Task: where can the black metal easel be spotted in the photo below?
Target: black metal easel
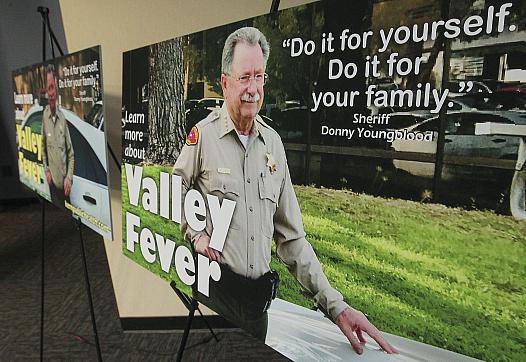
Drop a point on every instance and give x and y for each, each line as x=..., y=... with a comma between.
x=192, y=305
x=46, y=30
x=43, y=203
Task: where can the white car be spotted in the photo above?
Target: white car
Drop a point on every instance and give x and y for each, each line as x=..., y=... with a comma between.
x=302, y=334
x=210, y=103
x=460, y=140
x=95, y=116
x=488, y=102
x=89, y=191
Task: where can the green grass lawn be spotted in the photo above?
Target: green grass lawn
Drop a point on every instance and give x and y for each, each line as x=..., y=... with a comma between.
x=452, y=278
x=156, y=224
x=444, y=276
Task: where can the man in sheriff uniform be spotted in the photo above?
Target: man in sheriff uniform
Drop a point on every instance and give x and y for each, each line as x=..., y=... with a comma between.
x=234, y=155
x=57, y=150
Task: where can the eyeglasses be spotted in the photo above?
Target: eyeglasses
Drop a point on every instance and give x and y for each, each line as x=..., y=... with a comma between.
x=261, y=79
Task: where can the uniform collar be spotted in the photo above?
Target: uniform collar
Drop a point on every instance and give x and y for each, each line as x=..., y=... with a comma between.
x=50, y=115
x=227, y=125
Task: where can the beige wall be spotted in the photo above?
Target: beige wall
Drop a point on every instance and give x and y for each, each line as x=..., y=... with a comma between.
x=119, y=26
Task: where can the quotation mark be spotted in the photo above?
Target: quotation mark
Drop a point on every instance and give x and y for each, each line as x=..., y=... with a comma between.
x=465, y=87
x=286, y=43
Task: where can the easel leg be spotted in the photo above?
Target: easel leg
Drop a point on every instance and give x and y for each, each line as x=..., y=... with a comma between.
x=44, y=13
x=43, y=203
x=192, y=305
x=207, y=325
x=182, y=345
x=88, y=291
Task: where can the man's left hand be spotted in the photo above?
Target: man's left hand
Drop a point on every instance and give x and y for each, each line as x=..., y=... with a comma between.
x=67, y=186
x=202, y=246
x=353, y=321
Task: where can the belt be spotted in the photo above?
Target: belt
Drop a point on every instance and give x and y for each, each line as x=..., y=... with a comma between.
x=255, y=294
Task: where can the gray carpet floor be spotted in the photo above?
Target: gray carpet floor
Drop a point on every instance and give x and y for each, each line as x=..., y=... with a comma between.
x=68, y=334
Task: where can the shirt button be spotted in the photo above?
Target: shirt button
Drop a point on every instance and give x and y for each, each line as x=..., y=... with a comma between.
x=252, y=238
x=251, y=209
x=248, y=180
x=224, y=187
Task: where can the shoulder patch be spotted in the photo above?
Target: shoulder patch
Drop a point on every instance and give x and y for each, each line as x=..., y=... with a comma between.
x=192, y=137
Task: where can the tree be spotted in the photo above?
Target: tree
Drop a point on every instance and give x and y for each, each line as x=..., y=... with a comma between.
x=166, y=123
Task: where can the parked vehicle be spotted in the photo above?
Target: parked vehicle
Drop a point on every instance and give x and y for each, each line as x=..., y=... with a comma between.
x=459, y=87
x=201, y=110
x=95, y=116
x=513, y=88
x=399, y=120
x=460, y=140
x=497, y=101
x=210, y=103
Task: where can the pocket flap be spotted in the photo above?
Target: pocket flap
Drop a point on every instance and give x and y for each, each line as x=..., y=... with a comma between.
x=224, y=184
x=267, y=189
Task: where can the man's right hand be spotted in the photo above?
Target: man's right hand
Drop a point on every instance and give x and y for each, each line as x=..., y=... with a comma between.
x=49, y=178
x=201, y=246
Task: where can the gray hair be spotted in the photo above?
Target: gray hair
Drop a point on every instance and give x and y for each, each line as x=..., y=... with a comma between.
x=50, y=68
x=247, y=35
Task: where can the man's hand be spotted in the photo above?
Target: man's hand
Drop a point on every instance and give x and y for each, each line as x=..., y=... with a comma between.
x=67, y=186
x=201, y=246
x=49, y=178
x=352, y=320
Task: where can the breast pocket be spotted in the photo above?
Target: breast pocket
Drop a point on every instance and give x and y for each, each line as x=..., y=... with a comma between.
x=225, y=187
x=268, y=194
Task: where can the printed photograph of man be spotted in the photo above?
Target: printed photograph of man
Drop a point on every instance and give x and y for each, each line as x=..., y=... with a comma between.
x=57, y=150
x=235, y=155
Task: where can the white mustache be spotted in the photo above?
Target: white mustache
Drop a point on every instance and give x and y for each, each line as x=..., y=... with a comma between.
x=251, y=99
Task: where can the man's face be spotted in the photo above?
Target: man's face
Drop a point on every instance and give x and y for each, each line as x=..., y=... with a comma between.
x=244, y=101
x=51, y=92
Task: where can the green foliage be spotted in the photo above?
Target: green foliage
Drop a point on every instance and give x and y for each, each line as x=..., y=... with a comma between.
x=444, y=276
x=288, y=76
x=166, y=228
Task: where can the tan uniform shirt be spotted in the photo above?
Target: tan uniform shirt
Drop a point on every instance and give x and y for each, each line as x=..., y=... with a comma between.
x=57, y=150
x=258, y=180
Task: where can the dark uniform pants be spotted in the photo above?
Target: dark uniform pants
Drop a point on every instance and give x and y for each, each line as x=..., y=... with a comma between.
x=57, y=195
x=233, y=298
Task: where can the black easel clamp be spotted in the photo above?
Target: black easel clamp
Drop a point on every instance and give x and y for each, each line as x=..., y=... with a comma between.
x=44, y=13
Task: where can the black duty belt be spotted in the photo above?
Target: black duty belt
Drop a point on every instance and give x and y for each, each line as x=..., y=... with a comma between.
x=255, y=294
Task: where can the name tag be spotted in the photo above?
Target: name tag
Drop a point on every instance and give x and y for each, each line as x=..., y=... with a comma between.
x=223, y=170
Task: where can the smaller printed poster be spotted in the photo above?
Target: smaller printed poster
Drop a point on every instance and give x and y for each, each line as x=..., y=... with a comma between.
x=59, y=117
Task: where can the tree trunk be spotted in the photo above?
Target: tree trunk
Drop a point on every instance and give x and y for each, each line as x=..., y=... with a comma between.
x=166, y=102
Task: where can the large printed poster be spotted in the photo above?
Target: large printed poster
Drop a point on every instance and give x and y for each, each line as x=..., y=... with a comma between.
x=60, y=133
x=376, y=177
